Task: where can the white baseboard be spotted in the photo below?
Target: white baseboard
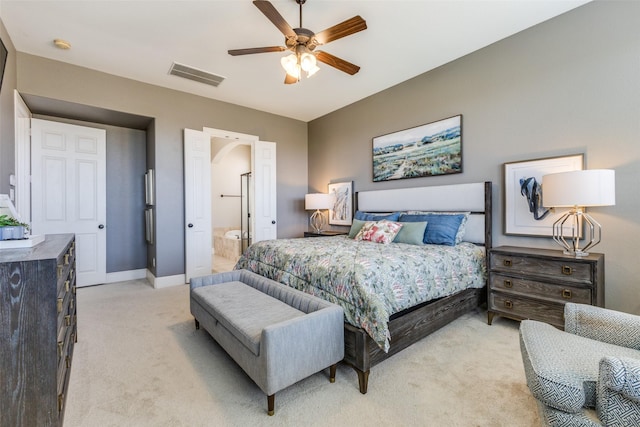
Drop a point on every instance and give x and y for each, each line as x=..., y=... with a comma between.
x=165, y=281
x=121, y=276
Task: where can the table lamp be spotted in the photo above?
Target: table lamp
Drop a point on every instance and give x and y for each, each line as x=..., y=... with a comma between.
x=317, y=201
x=578, y=190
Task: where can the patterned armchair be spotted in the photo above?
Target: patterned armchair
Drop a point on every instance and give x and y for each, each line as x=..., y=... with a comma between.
x=588, y=374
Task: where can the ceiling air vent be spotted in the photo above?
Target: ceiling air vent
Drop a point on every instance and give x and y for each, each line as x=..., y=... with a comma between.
x=194, y=74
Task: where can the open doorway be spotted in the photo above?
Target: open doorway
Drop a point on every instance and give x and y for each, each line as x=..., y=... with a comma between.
x=230, y=207
x=199, y=198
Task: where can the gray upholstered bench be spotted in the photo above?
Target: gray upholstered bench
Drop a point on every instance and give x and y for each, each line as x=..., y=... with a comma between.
x=276, y=334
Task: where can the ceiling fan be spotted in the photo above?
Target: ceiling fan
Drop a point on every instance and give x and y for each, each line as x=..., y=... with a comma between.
x=303, y=42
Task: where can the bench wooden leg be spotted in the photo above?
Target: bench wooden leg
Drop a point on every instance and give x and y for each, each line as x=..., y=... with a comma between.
x=271, y=403
x=197, y=324
x=332, y=373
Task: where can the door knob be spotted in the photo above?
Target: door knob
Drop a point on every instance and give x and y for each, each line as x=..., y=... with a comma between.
x=190, y=225
x=273, y=222
x=101, y=226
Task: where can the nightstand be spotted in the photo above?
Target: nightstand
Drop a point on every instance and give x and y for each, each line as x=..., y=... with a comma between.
x=324, y=233
x=527, y=283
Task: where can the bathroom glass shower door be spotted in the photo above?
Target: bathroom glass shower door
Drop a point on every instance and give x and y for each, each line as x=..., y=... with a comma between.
x=245, y=210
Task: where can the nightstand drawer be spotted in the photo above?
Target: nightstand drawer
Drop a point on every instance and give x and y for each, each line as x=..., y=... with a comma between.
x=541, y=290
x=569, y=271
x=523, y=308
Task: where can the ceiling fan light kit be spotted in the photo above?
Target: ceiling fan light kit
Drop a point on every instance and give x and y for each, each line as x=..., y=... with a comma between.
x=302, y=43
x=301, y=60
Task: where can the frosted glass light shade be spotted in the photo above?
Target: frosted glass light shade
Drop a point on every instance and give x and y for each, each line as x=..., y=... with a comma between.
x=317, y=201
x=290, y=65
x=594, y=187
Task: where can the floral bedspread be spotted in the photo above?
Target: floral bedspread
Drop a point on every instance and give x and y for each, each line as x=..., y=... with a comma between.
x=371, y=281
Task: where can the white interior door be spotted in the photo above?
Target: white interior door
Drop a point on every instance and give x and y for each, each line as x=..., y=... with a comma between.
x=68, y=190
x=23, y=158
x=264, y=210
x=197, y=194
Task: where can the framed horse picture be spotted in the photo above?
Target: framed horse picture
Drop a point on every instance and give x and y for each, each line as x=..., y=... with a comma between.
x=524, y=211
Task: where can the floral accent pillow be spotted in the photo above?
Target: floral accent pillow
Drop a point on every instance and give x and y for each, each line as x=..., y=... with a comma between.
x=379, y=231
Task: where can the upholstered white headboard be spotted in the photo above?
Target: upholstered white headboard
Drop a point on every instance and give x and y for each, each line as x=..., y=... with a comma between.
x=472, y=197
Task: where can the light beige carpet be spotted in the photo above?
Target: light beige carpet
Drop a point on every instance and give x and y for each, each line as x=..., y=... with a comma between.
x=140, y=362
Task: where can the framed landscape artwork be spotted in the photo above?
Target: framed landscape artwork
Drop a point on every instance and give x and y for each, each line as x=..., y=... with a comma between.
x=524, y=213
x=342, y=211
x=427, y=150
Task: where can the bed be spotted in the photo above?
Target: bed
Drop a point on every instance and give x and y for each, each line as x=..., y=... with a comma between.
x=393, y=294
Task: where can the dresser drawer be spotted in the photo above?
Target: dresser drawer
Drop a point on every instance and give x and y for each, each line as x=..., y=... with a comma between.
x=64, y=369
x=567, y=270
x=65, y=305
x=540, y=290
x=522, y=308
x=66, y=265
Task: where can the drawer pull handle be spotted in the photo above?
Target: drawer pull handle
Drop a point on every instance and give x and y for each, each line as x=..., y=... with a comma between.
x=71, y=304
x=60, y=268
x=60, y=346
x=67, y=320
x=59, y=304
x=508, y=304
x=66, y=259
x=67, y=285
x=566, y=293
x=508, y=283
x=566, y=270
x=67, y=361
x=60, y=401
x=73, y=290
x=507, y=263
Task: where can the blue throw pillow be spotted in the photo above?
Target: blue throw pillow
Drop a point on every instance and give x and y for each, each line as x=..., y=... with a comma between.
x=441, y=229
x=365, y=216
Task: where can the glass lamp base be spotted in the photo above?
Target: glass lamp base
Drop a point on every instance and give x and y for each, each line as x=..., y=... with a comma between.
x=317, y=221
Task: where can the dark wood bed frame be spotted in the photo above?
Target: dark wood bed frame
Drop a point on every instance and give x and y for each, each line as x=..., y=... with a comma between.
x=410, y=326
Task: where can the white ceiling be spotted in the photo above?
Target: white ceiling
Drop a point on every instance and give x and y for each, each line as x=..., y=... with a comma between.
x=141, y=39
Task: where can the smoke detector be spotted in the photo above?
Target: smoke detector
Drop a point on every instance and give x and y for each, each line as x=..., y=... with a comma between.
x=62, y=44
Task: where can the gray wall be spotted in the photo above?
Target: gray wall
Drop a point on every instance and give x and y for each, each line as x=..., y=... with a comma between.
x=173, y=111
x=126, y=165
x=569, y=85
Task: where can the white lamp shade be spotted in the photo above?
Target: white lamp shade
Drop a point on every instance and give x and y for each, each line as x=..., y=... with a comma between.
x=595, y=187
x=317, y=201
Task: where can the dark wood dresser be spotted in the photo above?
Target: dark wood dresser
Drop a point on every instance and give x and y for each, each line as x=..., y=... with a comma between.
x=37, y=331
x=527, y=283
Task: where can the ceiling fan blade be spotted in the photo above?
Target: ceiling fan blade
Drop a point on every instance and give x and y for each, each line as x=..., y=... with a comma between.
x=336, y=62
x=343, y=29
x=236, y=52
x=289, y=80
x=274, y=16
